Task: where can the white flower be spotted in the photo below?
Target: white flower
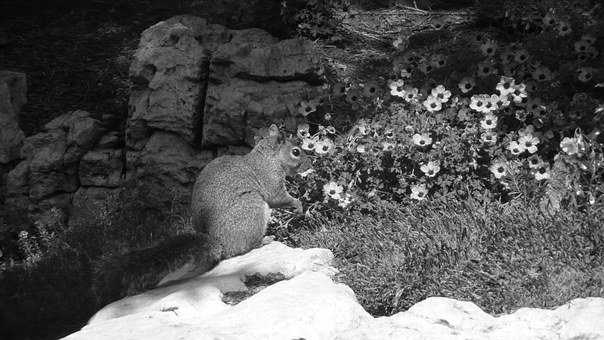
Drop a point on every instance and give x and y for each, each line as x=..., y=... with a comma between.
x=529, y=143
x=519, y=93
x=439, y=60
x=498, y=169
x=479, y=102
x=542, y=173
x=466, y=84
x=345, y=201
x=419, y=192
x=388, y=146
x=521, y=56
x=485, y=69
x=542, y=73
x=441, y=93
x=516, y=148
x=491, y=103
x=563, y=28
x=488, y=48
x=333, y=190
x=307, y=107
x=422, y=139
x=548, y=19
x=303, y=131
x=430, y=169
x=489, y=122
x=534, y=105
x=488, y=137
x=406, y=72
x=501, y=101
x=309, y=144
x=534, y=161
x=410, y=93
x=432, y=104
x=590, y=39
x=506, y=85
x=570, y=145
x=396, y=88
x=585, y=74
x=324, y=146
x=581, y=46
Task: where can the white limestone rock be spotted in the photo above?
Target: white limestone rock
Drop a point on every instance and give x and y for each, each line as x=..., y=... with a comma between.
x=308, y=304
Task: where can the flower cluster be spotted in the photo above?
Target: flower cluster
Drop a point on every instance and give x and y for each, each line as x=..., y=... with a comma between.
x=453, y=122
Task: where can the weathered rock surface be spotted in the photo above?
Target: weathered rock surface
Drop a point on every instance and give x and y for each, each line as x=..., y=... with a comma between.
x=188, y=74
x=48, y=175
x=13, y=94
x=307, y=304
x=101, y=168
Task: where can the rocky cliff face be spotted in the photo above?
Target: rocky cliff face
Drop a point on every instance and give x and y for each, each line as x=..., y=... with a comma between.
x=277, y=292
x=198, y=90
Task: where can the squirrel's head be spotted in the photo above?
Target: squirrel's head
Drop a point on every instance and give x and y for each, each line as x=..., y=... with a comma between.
x=291, y=156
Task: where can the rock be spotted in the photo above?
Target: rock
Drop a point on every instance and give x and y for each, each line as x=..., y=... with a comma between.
x=169, y=156
x=167, y=75
x=83, y=130
x=17, y=179
x=306, y=303
x=53, y=155
x=235, y=109
x=111, y=140
x=444, y=318
x=101, y=168
x=237, y=80
x=267, y=60
x=13, y=90
x=167, y=167
x=254, y=84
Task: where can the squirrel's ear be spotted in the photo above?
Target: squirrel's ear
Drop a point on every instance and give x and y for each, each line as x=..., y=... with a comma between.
x=273, y=131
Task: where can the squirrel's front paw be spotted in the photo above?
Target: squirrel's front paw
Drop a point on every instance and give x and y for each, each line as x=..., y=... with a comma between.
x=298, y=207
x=267, y=239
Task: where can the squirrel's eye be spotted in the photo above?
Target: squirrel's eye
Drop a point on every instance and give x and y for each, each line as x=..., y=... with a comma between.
x=295, y=152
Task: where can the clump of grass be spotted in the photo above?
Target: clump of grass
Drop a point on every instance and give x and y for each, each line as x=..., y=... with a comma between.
x=499, y=256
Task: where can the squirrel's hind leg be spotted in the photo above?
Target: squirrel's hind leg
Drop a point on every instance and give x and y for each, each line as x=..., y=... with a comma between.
x=244, y=228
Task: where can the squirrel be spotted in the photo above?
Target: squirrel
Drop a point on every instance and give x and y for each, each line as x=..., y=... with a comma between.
x=230, y=209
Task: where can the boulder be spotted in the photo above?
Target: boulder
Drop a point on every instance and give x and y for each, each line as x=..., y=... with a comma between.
x=253, y=84
x=52, y=157
x=13, y=90
x=167, y=167
x=237, y=108
x=17, y=179
x=168, y=73
x=208, y=84
x=278, y=292
x=101, y=168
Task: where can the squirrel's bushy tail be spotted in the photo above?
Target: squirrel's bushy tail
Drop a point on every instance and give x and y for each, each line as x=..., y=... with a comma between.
x=119, y=276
